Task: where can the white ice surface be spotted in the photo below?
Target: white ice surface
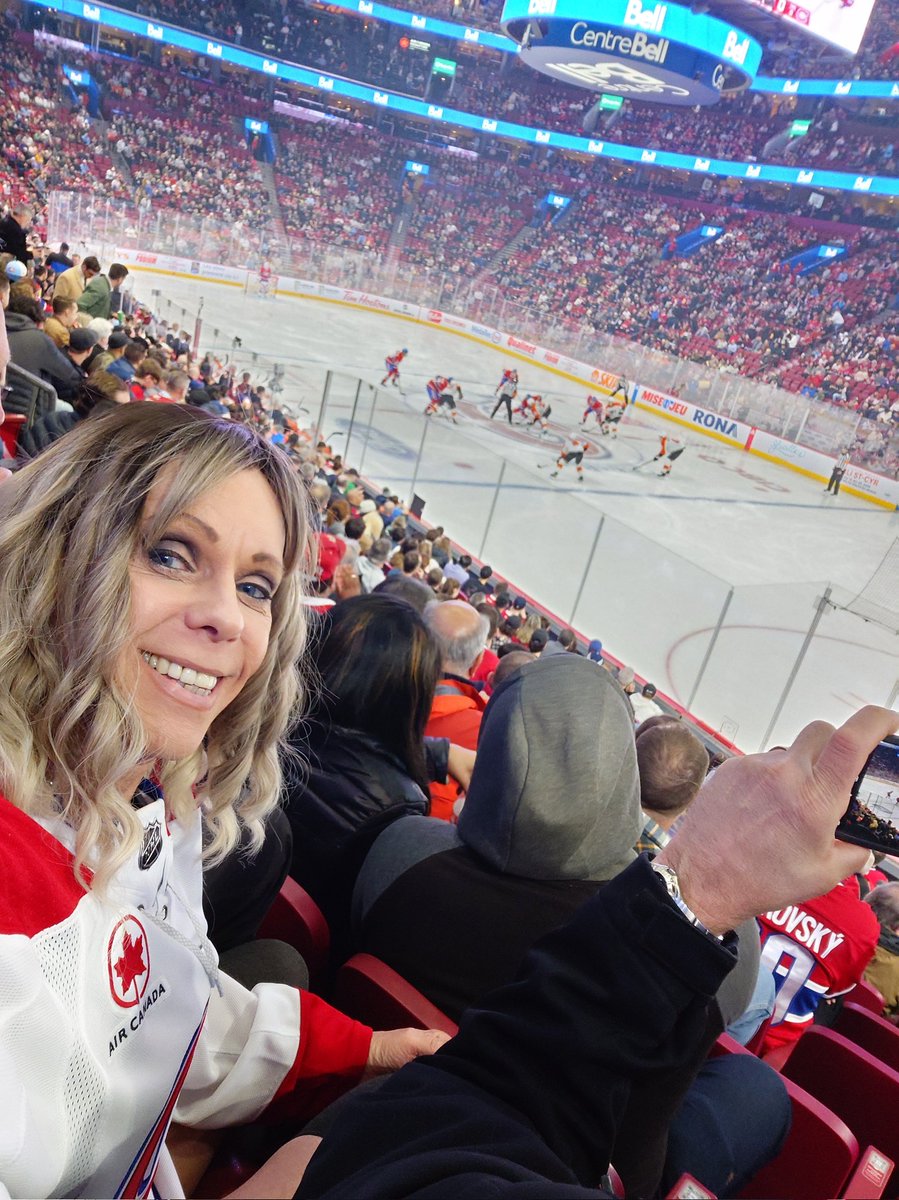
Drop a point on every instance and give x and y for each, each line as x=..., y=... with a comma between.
x=670, y=549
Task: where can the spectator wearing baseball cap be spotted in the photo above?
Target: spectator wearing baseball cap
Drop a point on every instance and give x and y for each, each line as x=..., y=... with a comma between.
x=81, y=343
x=115, y=348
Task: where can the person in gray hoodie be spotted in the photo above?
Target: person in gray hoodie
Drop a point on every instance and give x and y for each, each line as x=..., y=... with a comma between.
x=552, y=812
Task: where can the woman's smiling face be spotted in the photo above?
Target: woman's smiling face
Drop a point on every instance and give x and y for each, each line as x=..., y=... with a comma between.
x=201, y=609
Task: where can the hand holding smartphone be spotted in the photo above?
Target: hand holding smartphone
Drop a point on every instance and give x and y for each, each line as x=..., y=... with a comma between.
x=872, y=818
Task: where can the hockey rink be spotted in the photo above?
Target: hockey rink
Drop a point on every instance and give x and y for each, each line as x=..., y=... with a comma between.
x=706, y=582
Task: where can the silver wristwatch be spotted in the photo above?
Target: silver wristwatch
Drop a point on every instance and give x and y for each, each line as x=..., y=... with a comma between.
x=668, y=875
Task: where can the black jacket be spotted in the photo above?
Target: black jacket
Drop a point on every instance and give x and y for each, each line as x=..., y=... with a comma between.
x=44, y=432
x=352, y=789
x=13, y=240
x=32, y=350
x=526, y=1101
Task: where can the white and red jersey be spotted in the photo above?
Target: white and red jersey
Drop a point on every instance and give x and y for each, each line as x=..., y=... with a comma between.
x=816, y=949
x=115, y=1018
x=574, y=445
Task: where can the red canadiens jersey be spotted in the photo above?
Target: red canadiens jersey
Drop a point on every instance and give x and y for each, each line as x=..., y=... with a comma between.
x=816, y=949
x=509, y=377
x=594, y=404
x=439, y=385
x=393, y=360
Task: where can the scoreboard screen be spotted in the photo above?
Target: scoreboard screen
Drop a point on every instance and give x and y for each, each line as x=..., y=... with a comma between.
x=842, y=23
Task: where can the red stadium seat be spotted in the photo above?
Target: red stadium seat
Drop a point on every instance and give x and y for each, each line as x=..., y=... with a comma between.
x=866, y=995
x=870, y=1177
x=873, y=1033
x=852, y=1083
x=370, y=991
x=819, y=1154
x=9, y=431
x=296, y=919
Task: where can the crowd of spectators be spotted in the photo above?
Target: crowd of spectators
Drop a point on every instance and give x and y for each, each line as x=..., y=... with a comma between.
x=185, y=162
x=46, y=136
x=272, y=26
x=339, y=184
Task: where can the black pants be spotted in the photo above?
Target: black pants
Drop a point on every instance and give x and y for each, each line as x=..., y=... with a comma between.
x=507, y=400
x=836, y=476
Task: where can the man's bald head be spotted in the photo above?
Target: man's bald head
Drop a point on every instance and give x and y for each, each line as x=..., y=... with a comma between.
x=461, y=633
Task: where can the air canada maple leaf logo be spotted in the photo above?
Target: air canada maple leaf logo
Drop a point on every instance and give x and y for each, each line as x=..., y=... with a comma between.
x=128, y=962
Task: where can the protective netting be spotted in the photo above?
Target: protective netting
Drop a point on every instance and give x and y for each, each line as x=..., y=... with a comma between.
x=879, y=598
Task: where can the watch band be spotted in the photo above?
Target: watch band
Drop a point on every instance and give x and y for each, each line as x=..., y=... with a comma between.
x=669, y=878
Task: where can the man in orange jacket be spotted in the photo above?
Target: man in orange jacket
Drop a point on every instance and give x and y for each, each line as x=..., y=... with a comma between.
x=461, y=633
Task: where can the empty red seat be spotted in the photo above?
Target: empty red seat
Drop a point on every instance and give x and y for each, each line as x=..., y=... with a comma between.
x=852, y=1083
x=872, y=1032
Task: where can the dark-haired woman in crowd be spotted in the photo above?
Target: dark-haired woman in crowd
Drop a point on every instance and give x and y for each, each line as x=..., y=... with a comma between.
x=368, y=759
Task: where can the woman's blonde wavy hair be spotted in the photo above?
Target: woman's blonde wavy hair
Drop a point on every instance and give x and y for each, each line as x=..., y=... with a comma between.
x=70, y=524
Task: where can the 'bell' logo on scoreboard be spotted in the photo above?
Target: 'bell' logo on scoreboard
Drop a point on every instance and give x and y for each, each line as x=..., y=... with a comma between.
x=735, y=49
x=650, y=19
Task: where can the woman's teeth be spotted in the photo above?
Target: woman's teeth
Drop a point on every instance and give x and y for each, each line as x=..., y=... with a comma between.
x=197, y=682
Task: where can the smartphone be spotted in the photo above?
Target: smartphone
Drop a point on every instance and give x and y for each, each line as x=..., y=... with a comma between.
x=872, y=818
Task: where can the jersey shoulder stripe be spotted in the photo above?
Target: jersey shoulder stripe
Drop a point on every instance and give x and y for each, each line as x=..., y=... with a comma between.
x=39, y=884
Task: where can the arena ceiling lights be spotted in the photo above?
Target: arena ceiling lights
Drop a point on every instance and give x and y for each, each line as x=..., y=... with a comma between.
x=646, y=49
x=126, y=22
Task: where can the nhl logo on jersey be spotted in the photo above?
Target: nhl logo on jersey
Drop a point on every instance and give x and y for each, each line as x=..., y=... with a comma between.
x=151, y=846
x=128, y=962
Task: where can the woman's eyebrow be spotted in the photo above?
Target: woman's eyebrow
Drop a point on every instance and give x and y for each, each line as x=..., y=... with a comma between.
x=271, y=559
x=207, y=529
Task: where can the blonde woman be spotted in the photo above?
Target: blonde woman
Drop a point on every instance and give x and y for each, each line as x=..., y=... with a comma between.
x=150, y=620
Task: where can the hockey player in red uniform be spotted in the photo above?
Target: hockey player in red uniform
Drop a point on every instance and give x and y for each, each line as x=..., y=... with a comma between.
x=815, y=950
x=440, y=395
x=596, y=409
x=572, y=451
x=509, y=376
x=392, y=367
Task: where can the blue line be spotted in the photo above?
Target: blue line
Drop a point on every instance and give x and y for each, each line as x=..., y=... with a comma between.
x=588, y=491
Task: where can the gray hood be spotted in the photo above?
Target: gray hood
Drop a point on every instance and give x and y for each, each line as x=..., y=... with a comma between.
x=555, y=792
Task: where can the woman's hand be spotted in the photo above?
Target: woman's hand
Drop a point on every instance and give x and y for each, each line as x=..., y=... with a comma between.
x=393, y=1048
x=460, y=765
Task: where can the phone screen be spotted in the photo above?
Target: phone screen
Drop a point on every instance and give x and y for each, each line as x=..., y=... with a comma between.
x=872, y=818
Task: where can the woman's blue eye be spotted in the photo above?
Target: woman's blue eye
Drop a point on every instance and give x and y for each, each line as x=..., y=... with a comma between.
x=255, y=591
x=159, y=556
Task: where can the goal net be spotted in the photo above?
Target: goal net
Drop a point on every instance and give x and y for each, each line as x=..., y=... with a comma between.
x=259, y=286
x=879, y=599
